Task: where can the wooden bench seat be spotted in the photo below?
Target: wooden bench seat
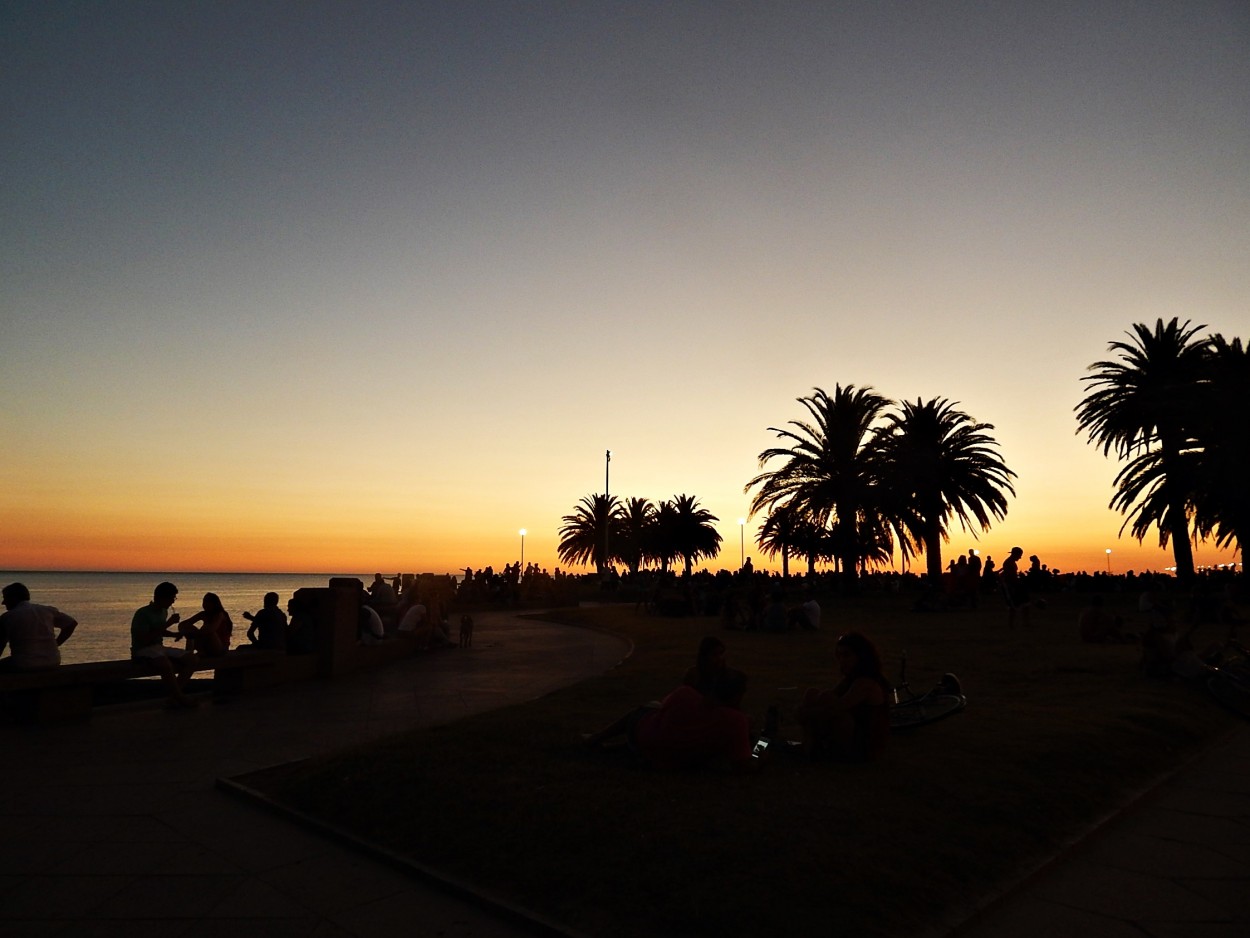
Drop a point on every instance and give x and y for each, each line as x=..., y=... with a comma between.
x=67, y=692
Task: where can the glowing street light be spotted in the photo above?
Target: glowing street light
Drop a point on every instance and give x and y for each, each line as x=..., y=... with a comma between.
x=522, y=550
x=742, y=543
x=1108, y=559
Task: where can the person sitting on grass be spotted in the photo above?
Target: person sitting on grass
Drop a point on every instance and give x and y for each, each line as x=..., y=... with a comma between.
x=851, y=722
x=210, y=639
x=688, y=730
x=149, y=627
x=268, y=629
x=1098, y=626
x=709, y=665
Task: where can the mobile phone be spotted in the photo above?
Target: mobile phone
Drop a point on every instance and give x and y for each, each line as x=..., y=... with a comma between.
x=760, y=745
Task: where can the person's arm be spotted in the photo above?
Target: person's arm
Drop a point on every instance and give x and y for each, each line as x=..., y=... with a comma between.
x=65, y=626
x=4, y=634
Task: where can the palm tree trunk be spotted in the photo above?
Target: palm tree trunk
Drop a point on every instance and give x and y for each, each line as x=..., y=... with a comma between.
x=933, y=556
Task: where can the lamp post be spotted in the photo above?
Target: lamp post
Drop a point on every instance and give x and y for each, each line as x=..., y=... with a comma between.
x=522, y=550
x=607, y=502
x=742, y=543
x=1108, y=560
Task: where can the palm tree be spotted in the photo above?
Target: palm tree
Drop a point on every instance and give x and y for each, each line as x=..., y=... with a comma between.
x=778, y=534
x=940, y=465
x=581, y=535
x=692, y=533
x=662, y=535
x=828, y=471
x=631, y=538
x=1143, y=402
x=1221, y=497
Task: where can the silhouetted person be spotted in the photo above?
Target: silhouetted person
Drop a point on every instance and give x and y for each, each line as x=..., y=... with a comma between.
x=211, y=638
x=851, y=721
x=1015, y=591
x=33, y=633
x=268, y=629
x=149, y=627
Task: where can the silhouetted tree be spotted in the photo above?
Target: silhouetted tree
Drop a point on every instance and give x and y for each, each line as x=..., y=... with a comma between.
x=829, y=471
x=692, y=532
x=1221, y=493
x=938, y=465
x=632, y=535
x=581, y=535
x=1144, y=406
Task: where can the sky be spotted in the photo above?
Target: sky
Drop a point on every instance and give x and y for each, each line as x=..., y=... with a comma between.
x=326, y=287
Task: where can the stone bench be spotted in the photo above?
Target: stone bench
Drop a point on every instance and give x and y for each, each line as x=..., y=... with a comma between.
x=67, y=692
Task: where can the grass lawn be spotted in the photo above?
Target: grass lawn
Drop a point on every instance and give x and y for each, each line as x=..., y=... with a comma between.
x=1056, y=734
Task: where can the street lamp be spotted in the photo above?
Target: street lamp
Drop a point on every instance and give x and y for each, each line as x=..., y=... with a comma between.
x=522, y=549
x=742, y=543
x=1108, y=559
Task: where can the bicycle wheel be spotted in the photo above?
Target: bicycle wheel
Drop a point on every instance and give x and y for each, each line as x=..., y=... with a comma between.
x=1232, y=693
x=926, y=709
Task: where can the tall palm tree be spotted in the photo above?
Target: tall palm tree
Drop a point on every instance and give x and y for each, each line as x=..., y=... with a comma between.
x=1144, y=401
x=940, y=465
x=1222, y=497
x=828, y=470
x=694, y=536
x=581, y=535
x=630, y=541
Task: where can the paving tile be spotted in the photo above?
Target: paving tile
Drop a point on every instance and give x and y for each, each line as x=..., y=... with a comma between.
x=1029, y=917
x=399, y=915
x=336, y=881
x=1154, y=856
x=59, y=897
x=1124, y=895
x=167, y=897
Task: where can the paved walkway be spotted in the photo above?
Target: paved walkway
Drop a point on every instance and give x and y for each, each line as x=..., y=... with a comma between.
x=115, y=827
x=1175, y=864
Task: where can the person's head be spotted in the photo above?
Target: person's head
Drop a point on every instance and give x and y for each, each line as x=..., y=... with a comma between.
x=1017, y=553
x=729, y=687
x=164, y=594
x=857, y=656
x=15, y=593
x=271, y=600
x=711, y=653
x=212, y=603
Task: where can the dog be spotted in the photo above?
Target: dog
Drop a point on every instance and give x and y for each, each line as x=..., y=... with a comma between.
x=466, y=631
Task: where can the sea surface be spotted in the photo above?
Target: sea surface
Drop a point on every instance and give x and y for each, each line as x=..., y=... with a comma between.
x=104, y=602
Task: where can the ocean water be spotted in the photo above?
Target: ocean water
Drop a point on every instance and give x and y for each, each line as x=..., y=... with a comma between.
x=104, y=602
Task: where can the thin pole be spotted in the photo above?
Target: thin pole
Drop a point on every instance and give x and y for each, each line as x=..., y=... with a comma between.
x=607, y=503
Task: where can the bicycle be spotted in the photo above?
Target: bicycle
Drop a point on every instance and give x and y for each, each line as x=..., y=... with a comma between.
x=909, y=709
x=1230, y=682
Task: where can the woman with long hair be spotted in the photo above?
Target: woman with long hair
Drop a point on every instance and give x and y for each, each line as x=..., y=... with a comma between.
x=210, y=639
x=851, y=721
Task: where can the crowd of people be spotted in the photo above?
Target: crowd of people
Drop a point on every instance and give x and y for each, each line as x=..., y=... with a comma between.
x=33, y=633
x=845, y=719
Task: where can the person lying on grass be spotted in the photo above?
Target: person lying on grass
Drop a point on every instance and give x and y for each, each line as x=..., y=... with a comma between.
x=852, y=721
x=688, y=729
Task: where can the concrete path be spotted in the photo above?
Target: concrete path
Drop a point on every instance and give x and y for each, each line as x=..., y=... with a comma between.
x=115, y=827
x=1175, y=864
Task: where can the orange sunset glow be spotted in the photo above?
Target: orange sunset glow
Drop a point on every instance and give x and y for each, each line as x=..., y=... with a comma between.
x=374, y=292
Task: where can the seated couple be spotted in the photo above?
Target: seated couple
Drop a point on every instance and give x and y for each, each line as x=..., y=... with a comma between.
x=207, y=634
